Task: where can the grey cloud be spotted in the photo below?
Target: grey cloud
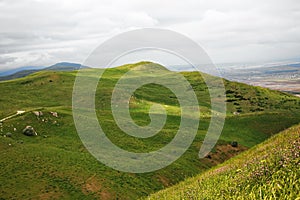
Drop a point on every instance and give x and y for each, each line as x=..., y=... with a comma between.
x=5, y=60
x=55, y=30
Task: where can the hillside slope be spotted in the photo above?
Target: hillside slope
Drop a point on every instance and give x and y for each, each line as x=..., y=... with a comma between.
x=270, y=170
x=56, y=164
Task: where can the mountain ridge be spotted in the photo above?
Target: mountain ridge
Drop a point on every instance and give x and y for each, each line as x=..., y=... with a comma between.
x=25, y=71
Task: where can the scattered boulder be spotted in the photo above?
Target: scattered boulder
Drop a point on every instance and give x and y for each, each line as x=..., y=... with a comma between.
x=54, y=114
x=8, y=134
x=19, y=112
x=15, y=129
x=234, y=144
x=29, y=131
x=38, y=113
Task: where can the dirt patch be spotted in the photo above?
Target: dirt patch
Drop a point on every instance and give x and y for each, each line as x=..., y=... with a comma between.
x=223, y=153
x=165, y=181
x=94, y=186
x=50, y=195
x=53, y=77
x=105, y=195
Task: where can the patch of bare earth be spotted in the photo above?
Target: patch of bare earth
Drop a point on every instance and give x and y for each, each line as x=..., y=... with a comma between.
x=165, y=181
x=92, y=185
x=223, y=153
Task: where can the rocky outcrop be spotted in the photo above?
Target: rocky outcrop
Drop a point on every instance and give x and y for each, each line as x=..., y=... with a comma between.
x=29, y=131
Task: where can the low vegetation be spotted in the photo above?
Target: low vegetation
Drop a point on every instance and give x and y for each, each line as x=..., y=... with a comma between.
x=270, y=170
x=55, y=163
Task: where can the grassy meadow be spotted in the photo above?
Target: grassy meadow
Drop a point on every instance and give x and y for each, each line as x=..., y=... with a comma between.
x=56, y=165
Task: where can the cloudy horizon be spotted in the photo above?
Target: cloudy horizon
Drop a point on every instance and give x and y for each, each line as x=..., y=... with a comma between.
x=41, y=33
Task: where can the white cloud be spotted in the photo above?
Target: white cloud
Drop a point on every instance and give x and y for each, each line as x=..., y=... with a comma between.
x=41, y=32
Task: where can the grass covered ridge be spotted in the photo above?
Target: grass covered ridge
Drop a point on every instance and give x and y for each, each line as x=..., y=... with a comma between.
x=55, y=163
x=270, y=170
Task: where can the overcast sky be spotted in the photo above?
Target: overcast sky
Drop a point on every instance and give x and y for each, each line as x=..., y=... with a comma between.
x=37, y=32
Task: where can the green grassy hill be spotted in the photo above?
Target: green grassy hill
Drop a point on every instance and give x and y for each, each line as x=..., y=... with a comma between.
x=56, y=165
x=270, y=170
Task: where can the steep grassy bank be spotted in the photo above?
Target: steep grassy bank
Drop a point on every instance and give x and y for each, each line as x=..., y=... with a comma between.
x=270, y=170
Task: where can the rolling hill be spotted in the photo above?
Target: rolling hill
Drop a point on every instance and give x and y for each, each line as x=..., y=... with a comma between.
x=56, y=165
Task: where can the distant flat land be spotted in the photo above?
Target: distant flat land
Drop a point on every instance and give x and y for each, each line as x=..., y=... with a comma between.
x=292, y=86
x=284, y=78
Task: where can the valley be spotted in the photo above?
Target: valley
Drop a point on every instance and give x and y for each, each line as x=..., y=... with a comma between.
x=55, y=164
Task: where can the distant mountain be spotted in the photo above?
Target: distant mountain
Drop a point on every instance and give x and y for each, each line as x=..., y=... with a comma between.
x=25, y=71
x=295, y=65
x=64, y=66
x=13, y=71
x=19, y=74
